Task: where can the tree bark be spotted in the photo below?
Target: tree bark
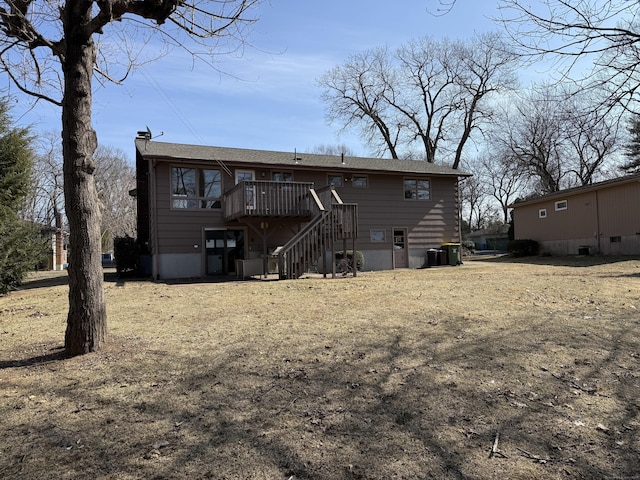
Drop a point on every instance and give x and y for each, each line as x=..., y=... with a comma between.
x=87, y=318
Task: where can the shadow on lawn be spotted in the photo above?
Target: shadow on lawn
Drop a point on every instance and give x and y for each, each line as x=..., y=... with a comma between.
x=45, y=280
x=400, y=407
x=55, y=356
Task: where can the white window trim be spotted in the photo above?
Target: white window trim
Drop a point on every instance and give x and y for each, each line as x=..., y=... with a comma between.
x=559, y=203
x=542, y=213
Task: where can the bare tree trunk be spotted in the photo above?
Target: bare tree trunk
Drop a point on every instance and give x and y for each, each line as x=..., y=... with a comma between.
x=87, y=318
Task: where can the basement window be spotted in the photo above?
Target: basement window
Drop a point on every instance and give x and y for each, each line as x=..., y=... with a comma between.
x=542, y=213
x=561, y=205
x=615, y=239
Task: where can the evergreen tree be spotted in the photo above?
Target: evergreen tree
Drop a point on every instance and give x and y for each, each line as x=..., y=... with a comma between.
x=633, y=147
x=21, y=245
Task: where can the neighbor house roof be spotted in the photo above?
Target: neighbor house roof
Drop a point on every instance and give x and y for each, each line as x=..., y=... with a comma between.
x=577, y=190
x=176, y=151
x=488, y=232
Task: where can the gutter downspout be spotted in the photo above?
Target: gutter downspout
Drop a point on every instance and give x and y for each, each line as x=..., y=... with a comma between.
x=459, y=217
x=154, y=218
x=597, y=223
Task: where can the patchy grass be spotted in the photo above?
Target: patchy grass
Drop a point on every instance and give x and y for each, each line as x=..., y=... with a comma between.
x=402, y=374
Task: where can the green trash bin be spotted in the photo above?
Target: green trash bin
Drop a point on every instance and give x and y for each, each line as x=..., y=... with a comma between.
x=453, y=253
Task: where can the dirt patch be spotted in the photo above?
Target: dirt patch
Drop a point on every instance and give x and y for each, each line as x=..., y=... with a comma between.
x=493, y=369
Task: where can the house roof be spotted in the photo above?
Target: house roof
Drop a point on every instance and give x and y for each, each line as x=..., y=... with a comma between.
x=176, y=151
x=578, y=190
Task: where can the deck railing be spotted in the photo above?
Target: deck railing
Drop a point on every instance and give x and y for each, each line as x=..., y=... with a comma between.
x=259, y=198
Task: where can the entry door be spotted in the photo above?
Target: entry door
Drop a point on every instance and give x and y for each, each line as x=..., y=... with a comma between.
x=223, y=248
x=214, y=251
x=250, y=191
x=400, y=256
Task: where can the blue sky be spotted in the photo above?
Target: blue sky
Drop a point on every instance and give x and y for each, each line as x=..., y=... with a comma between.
x=269, y=99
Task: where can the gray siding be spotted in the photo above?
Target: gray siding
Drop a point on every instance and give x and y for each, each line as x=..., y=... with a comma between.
x=381, y=205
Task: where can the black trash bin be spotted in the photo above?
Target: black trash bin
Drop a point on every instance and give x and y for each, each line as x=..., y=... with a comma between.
x=432, y=257
x=443, y=259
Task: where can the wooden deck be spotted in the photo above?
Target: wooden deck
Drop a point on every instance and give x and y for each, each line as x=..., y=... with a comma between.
x=268, y=199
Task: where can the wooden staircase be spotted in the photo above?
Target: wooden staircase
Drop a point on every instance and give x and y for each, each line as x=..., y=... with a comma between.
x=333, y=221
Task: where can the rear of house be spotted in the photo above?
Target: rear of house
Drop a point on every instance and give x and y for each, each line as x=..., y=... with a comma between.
x=201, y=210
x=602, y=218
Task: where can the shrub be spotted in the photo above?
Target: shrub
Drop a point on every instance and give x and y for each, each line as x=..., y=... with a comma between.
x=359, y=259
x=523, y=248
x=469, y=245
x=126, y=253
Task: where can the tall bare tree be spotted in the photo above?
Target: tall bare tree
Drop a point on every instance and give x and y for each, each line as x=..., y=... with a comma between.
x=45, y=202
x=115, y=178
x=592, y=135
x=49, y=50
x=533, y=137
x=330, y=149
x=504, y=177
x=477, y=208
x=356, y=93
x=559, y=137
x=432, y=94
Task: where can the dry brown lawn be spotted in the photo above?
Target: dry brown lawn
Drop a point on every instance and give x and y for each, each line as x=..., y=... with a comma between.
x=494, y=369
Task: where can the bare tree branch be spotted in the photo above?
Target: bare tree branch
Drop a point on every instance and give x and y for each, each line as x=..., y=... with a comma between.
x=602, y=36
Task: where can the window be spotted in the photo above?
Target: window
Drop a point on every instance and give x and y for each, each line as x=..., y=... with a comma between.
x=542, y=213
x=615, y=239
x=334, y=180
x=377, y=236
x=561, y=205
x=359, y=181
x=195, y=188
x=282, y=176
x=416, y=189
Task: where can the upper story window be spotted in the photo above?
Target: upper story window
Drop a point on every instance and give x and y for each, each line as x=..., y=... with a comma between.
x=561, y=205
x=282, y=176
x=416, y=189
x=542, y=213
x=195, y=188
x=334, y=180
x=359, y=181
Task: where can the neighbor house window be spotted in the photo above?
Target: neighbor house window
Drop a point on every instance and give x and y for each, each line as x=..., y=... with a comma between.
x=377, y=235
x=416, y=189
x=615, y=239
x=195, y=188
x=282, y=176
x=334, y=180
x=359, y=181
x=561, y=205
x=542, y=213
